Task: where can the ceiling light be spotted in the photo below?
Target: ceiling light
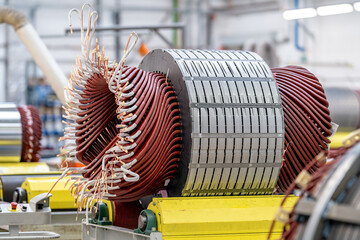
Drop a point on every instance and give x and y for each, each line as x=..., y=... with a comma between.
x=357, y=6
x=299, y=13
x=334, y=9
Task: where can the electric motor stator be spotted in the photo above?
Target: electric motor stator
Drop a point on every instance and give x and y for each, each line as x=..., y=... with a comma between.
x=193, y=122
x=232, y=121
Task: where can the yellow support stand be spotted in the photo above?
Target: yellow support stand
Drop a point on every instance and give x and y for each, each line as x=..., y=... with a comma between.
x=24, y=168
x=338, y=139
x=61, y=195
x=235, y=217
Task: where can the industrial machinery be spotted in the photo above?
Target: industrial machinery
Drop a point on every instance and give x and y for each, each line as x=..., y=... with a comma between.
x=344, y=105
x=187, y=134
x=36, y=212
x=20, y=126
x=328, y=207
x=192, y=144
x=232, y=140
x=36, y=47
x=247, y=217
x=20, y=133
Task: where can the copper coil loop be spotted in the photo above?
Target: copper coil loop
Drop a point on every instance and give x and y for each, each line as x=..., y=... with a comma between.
x=307, y=121
x=31, y=133
x=148, y=116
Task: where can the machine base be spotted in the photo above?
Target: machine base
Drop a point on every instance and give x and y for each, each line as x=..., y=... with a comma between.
x=93, y=231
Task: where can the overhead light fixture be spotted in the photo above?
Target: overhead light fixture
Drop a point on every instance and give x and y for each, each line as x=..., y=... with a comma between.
x=334, y=9
x=299, y=13
x=357, y=6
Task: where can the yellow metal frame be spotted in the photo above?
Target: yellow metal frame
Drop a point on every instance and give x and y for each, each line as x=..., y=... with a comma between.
x=12, y=159
x=24, y=168
x=338, y=139
x=235, y=217
x=10, y=142
x=61, y=196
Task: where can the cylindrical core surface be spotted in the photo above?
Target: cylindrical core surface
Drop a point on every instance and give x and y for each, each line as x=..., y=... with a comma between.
x=232, y=121
x=10, y=133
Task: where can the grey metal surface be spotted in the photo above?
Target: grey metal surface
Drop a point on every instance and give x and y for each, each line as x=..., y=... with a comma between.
x=67, y=217
x=232, y=121
x=93, y=231
x=331, y=216
x=10, y=131
x=28, y=235
x=37, y=212
x=344, y=106
x=9, y=183
x=335, y=212
x=33, y=215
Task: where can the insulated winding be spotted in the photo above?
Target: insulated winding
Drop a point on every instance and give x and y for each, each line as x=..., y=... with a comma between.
x=31, y=133
x=193, y=122
x=340, y=178
x=149, y=109
x=210, y=121
x=307, y=121
x=137, y=126
x=20, y=133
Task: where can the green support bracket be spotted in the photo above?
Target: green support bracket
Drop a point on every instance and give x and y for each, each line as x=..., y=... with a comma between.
x=146, y=222
x=100, y=214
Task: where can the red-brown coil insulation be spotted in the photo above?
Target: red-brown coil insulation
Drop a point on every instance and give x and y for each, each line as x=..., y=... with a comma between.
x=307, y=120
x=157, y=145
x=31, y=133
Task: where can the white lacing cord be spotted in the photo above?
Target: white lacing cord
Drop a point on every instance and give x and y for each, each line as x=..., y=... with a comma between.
x=120, y=65
x=87, y=39
x=79, y=78
x=114, y=85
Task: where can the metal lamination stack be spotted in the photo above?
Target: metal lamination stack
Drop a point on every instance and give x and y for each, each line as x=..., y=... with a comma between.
x=10, y=133
x=232, y=119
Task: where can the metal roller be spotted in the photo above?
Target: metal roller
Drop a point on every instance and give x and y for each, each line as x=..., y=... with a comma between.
x=232, y=121
x=344, y=105
x=10, y=133
x=20, y=133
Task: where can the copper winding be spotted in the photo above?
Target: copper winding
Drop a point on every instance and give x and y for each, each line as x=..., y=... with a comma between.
x=123, y=123
x=307, y=121
x=291, y=225
x=31, y=133
x=156, y=149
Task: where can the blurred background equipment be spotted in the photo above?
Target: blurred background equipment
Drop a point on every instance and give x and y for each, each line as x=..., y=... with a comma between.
x=282, y=114
x=20, y=133
x=344, y=104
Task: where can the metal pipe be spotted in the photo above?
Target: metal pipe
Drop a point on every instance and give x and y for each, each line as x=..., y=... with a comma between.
x=28, y=35
x=122, y=28
x=175, y=19
x=344, y=105
x=296, y=30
